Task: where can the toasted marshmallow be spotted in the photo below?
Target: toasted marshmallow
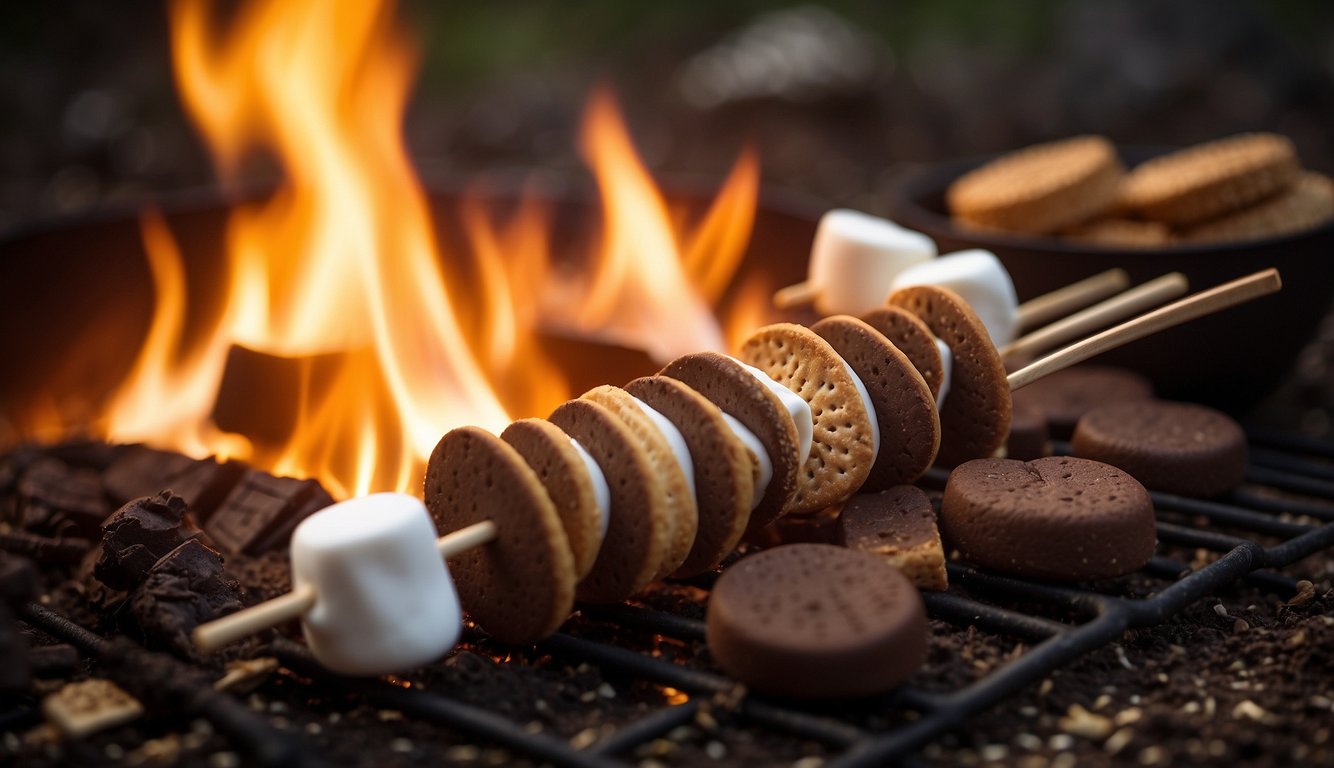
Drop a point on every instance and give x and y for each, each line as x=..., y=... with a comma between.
x=947, y=371
x=980, y=279
x=384, y=601
x=855, y=258
x=797, y=409
x=675, y=439
x=601, y=491
x=756, y=447
x=870, y=409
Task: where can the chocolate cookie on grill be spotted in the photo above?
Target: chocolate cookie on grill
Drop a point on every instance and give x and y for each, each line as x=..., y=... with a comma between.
x=1179, y=448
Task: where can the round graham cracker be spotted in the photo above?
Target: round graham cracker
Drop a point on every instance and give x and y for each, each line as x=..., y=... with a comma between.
x=725, y=383
x=1307, y=204
x=1211, y=179
x=519, y=587
x=1121, y=233
x=975, y=419
x=682, y=511
x=841, y=450
x=724, y=468
x=904, y=408
x=1057, y=518
x=640, y=528
x=1039, y=189
x=552, y=455
x=907, y=332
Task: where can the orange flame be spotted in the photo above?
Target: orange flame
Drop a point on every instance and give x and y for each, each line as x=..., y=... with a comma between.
x=340, y=265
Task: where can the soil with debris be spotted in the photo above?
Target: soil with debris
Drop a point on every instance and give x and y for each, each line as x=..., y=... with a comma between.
x=1244, y=677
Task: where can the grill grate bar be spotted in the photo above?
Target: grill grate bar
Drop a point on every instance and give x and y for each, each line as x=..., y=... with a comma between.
x=1231, y=515
x=1285, y=506
x=1195, y=537
x=1292, y=442
x=647, y=729
x=1291, y=481
x=639, y=665
x=963, y=611
x=659, y=622
x=1286, y=462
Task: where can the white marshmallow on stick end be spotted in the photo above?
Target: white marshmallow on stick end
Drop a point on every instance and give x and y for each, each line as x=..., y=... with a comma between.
x=854, y=259
x=980, y=279
x=370, y=585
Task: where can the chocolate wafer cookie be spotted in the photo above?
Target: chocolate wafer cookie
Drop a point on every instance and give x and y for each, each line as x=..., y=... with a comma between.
x=724, y=469
x=1065, y=396
x=728, y=385
x=907, y=332
x=1174, y=447
x=1059, y=518
x=909, y=426
x=899, y=526
x=640, y=530
x=842, y=452
x=975, y=418
x=1039, y=189
x=552, y=455
x=1209, y=180
x=520, y=586
x=816, y=621
x=668, y=467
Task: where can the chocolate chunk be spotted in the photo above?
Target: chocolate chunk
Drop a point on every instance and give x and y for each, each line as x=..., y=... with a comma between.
x=262, y=510
x=183, y=590
x=138, y=535
x=57, y=499
x=143, y=471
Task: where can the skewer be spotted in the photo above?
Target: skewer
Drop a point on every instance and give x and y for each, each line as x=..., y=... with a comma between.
x=1197, y=305
x=220, y=632
x=1119, y=307
x=1061, y=302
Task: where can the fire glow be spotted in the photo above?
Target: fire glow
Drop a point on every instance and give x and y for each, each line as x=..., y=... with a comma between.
x=340, y=270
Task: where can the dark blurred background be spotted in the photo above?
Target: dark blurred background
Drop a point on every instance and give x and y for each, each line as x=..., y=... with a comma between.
x=839, y=98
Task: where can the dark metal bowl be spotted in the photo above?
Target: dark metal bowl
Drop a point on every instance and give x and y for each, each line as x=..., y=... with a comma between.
x=1230, y=359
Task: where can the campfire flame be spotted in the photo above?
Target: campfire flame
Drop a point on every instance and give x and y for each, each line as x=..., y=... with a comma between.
x=340, y=265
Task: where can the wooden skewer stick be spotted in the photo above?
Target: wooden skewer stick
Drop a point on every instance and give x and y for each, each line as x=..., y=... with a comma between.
x=1062, y=301
x=220, y=632
x=1197, y=305
x=1137, y=299
x=796, y=295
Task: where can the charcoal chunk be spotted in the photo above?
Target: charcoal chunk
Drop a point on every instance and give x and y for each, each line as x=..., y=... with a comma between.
x=60, y=500
x=143, y=471
x=18, y=580
x=262, y=510
x=140, y=533
x=184, y=589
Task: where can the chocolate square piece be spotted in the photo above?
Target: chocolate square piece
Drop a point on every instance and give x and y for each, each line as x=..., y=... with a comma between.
x=57, y=499
x=143, y=471
x=262, y=510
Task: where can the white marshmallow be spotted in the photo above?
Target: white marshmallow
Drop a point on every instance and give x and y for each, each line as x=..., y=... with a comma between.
x=856, y=256
x=384, y=601
x=675, y=439
x=601, y=491
x=753, y=443
x=978, y=277
x=870, y=409
x=797, y=409
x=947, y=364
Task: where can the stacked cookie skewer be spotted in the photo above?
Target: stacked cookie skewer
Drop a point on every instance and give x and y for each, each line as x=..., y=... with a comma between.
x=624, y=486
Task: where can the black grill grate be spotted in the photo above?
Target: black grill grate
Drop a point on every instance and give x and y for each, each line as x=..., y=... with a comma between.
x=1266, y=531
